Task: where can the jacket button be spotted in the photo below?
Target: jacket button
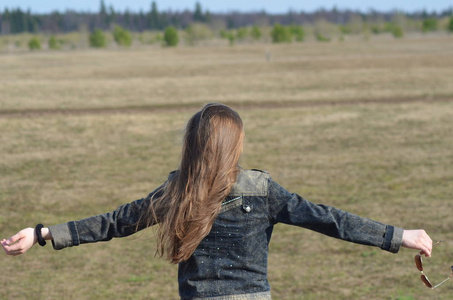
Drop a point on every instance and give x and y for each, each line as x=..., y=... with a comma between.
x=247, y=208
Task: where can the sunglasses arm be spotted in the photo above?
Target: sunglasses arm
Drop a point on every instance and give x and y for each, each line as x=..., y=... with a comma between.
x=442, y=281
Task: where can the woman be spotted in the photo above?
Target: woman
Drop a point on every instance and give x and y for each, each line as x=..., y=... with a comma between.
x=216, y=220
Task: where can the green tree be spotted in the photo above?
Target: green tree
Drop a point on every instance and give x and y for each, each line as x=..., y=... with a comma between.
x=280, y=34
x=229, y=35
x=153, y=17
x=429, y=24
x=198, y=13
x=6, y=19
x=103, y=15
x=320, y=37
x=112, y=14
x=32, y=25
x=297, y=32
x=197, y=32
x=242, y=33
x=171, y=37
x=97, y=39
x=34, y=44
x=450, y=25
x=231, y=38
x=53, y=43
x=345, y=29
x=375, y=28
x=255, y=33
x=397, y=31
x=18, y=21
x=223, y=34
x=122, y=37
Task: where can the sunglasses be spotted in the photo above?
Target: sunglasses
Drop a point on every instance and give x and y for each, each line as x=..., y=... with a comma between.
x=423, y=277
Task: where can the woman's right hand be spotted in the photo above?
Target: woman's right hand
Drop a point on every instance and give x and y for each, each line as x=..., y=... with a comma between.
x=20, y=242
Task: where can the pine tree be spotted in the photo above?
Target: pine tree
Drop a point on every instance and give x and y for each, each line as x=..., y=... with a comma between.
x=153, y=17
x=198, y=13
x=6, y=22
x=103, y=15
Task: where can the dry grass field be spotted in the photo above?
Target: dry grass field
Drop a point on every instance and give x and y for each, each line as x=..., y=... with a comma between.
x=365, y=126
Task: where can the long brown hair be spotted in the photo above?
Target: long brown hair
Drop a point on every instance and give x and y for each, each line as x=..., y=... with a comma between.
x=191, y=198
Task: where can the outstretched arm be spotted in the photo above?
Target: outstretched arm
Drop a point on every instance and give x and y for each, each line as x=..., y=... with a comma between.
x=124, y=221
x=23, y=240
x=289, y=208
x=418, y=239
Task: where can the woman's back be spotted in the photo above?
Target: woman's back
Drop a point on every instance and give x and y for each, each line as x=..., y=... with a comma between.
x=232, y=259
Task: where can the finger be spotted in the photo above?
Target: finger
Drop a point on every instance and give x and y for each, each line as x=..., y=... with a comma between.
x=425, y=252
x=428, y=248
x=13, y=248
x=14, y=238
x=13, y=252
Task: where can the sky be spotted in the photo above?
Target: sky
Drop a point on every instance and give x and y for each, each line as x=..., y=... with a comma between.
x=218, y=6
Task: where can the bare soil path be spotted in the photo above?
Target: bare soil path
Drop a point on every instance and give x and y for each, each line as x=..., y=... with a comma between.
x=190, y=106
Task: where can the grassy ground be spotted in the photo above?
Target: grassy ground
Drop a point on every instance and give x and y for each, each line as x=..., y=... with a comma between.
x=357, y=70
x=386, y=159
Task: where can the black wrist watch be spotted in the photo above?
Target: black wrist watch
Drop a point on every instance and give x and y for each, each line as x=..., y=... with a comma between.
x=41, y=241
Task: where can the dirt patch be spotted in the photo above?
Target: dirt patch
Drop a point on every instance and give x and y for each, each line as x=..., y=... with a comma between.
x=192, y=106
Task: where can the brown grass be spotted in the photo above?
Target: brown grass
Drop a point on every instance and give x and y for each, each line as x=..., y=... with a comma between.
x=389, y=162
x=412, y=68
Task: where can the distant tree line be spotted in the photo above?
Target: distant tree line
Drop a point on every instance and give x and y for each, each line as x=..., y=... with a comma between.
x=16, y=21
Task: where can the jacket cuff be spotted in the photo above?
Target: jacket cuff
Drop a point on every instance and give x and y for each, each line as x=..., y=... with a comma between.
x=392, y=239
x=64, y=235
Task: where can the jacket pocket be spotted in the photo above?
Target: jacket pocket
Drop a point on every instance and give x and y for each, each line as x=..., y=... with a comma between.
x=230, y=203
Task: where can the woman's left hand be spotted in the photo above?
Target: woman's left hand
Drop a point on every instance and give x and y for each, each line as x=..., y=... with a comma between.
x=418, y=239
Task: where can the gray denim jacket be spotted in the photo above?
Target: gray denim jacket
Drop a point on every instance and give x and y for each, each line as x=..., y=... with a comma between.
x=231, y=262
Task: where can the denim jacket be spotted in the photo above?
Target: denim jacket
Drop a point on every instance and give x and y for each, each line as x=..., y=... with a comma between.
x=231, y=261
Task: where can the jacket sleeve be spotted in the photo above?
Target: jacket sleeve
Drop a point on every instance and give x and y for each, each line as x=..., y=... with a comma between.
x=289, y=208
x=125, y=220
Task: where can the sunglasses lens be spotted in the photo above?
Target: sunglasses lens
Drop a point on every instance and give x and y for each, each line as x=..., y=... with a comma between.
x=418, y=262
x=426, y=281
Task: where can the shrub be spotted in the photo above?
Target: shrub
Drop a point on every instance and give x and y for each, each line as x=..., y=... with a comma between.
x=197, y=32
x=429, y=24
x=345, y=29
x=122, y=37
x=297, y=32
x=255, y=33
x=320, y=38
x=450, y=25
x=223, y=34
x=355, y=25
x=280, y=34
x=242, y=33
x=375, y=29
x=53, y=43
x=388, y=27
x=171, y=37
x=97, y=39
x=231, y=38
x=397, y=32
x=229, y=35
x=324, y=31
x=34, y=44
x=158, y=38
